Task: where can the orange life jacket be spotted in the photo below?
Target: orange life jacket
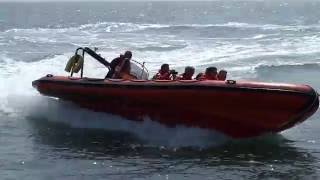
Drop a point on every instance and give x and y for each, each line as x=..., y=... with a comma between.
x=183, y=77
x=162, y=76
x=204, y=77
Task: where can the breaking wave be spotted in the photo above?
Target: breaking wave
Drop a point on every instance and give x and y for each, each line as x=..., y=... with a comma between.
x=286, y=67
x=133, y=27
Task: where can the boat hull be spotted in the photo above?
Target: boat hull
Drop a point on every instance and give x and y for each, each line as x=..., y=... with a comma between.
x=240, y=110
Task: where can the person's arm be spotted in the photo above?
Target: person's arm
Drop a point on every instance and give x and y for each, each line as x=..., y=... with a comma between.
x=126, y=67
x=165, y=76
x=179, y=77
x=113, y=65
x=122, y=68
x=114, y=62
x=156, y=76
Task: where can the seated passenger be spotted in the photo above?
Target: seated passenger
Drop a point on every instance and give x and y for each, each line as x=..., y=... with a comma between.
x=222, y=75
x=198, y=77
x=210, y=74
x=165, y=73
x=187, y=75
x=120, y=66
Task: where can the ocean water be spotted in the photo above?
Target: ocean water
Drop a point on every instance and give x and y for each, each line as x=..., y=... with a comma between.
x=44, y=138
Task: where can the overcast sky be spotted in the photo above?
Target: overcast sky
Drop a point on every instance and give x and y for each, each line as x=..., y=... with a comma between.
x=56, y=0
x=93, y=0
x=109, y=0
x=66, y=0
x=90, y=0
x=146, y=0
x=113, y=0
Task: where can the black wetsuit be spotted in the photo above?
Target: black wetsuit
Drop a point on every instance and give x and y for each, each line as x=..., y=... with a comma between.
x=117, y=61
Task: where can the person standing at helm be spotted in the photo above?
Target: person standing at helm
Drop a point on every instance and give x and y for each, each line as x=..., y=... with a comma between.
x=120, y=66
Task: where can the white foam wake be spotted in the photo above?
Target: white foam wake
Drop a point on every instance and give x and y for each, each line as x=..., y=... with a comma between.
x=153, y=133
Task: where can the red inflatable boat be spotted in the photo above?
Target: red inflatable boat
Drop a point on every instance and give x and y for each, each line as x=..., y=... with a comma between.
x=238, y=109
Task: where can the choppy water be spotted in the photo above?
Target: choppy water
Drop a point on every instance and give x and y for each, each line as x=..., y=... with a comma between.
x=44, y=138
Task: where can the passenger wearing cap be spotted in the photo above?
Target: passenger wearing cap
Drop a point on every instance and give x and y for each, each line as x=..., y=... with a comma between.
x=120, y=66
x=210, y=74
x=188, y=73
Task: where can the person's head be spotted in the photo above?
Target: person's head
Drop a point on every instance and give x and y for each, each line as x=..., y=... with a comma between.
x=211, y=73
x=164, y=68
x=189, y=71
x=128, y=55
x=222, y=75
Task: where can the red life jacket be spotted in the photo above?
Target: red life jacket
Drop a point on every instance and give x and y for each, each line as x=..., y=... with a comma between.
x=204, y=77
x=183, y=77
x=162, y=76
x=212, y=78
